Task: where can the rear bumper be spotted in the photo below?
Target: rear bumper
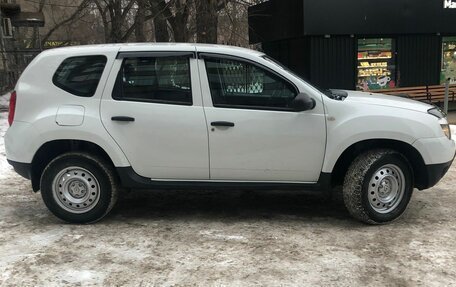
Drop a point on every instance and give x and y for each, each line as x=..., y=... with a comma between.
x=23, y=169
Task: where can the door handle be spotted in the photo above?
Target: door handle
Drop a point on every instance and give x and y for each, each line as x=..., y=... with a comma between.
x=222, y=124
x=123, y=119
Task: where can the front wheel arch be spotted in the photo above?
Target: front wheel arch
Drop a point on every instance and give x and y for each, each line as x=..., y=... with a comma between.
x=408, y=151
x=378, y=186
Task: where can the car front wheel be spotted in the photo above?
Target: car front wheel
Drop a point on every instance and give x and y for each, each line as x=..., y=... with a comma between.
x=378, y=186
x=79, y=187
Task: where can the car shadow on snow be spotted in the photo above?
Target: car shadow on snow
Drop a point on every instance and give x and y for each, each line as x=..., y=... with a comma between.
x=224, y=205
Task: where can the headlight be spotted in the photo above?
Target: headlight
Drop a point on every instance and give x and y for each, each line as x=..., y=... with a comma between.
x=446, y=130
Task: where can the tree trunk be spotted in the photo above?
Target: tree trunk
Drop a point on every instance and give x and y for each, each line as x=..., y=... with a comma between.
x=160, y=23
x=140, y=19
x=116, y=22
x=206, y=21
x=179, y=21
x=161, y=29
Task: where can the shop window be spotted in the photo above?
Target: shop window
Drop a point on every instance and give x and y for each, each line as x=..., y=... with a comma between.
x=376, y=64
x=448, y=60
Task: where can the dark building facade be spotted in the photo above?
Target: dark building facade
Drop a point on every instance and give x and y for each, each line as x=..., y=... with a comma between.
x=360, y=44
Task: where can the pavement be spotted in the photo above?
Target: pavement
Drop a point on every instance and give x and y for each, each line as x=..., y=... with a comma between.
x=452, y=117
x=232, y=238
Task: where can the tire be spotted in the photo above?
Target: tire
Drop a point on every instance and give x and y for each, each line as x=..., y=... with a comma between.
x=79, y=187
x=378, y=186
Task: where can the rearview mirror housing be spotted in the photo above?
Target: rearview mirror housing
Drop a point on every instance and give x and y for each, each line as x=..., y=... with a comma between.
x=303, y=102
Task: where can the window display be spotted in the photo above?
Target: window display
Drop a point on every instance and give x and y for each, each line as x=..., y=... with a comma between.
x=376, y=64
x=448, y=60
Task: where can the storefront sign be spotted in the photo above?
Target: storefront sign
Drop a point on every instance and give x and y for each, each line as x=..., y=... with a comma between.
x=449, y=4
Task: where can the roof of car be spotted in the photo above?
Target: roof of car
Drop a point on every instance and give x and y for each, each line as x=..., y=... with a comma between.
x=137, y=47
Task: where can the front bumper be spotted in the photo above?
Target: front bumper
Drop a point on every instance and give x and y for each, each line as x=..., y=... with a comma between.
x=438, y=155
x=435, y=172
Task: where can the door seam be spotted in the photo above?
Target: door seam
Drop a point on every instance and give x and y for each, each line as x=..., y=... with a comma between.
x=205, y=116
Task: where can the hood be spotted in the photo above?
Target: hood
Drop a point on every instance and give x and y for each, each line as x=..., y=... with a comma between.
x=387, y=101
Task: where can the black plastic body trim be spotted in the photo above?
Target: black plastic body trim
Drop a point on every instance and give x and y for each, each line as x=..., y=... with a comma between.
x=122, y=119
x=130, y=179
x=157, y=54
x=222, y=124
x=435, y=172
x=23, y=169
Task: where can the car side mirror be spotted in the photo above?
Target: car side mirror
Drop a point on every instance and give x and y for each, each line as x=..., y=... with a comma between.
x=303, y=102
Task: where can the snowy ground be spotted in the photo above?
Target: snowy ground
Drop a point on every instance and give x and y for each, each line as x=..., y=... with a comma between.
x=4, y=101
x=207, y=238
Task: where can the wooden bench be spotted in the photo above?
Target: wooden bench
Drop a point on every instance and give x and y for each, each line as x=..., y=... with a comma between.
x=429, y=94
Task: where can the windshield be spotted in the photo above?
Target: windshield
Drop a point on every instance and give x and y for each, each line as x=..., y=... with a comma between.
x=327, y=92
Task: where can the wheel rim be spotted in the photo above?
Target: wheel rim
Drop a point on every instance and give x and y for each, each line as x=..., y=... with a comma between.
x=76, y=190
x=386, y=188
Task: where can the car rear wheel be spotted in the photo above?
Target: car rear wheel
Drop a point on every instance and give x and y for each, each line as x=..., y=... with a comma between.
x=378, y=186
x=79, y=187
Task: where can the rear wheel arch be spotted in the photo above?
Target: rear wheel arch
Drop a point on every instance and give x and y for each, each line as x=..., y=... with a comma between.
x=408, y=151
x=52, y=149
x=79, y=187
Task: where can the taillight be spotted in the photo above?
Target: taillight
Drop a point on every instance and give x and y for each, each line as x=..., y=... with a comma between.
x=12, y=107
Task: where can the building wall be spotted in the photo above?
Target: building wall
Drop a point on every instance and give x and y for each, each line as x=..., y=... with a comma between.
x=368, y=17
x=325, y=62
x=331, y=62
x=275, y=20
x=419, y=60
x=293, y=53
x=285, y=19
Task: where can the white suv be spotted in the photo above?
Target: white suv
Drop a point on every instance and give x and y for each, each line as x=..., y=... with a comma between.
x=86, y=121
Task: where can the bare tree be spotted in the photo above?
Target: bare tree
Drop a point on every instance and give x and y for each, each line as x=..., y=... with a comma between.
x=114, y=16
x=160, y=23
x=76, y=15
x=140, y=20
x=177, y=15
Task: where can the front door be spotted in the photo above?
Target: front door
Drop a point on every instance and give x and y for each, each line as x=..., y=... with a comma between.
x=155, y=114
x=254, y=135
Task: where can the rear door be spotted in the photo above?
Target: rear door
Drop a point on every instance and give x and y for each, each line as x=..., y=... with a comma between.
x=155, y=114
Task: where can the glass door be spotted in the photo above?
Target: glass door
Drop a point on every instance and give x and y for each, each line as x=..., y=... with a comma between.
x=448, y=60
x=376, y=64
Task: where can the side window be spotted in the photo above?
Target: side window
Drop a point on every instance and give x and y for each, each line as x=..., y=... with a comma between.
x=80, y=75
x=158, y=80
x=243, y=85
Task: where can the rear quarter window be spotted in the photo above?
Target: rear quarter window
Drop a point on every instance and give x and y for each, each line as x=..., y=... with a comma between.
x=80, y=75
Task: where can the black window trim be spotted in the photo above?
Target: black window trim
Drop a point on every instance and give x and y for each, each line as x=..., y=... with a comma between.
x=156, y=54
x=71, y=91
x=206, y=55
x=117, y=90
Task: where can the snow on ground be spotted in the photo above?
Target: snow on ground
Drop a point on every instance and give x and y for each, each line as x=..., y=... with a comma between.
x=4, y=100
x=232, y=238
x=5, y=169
